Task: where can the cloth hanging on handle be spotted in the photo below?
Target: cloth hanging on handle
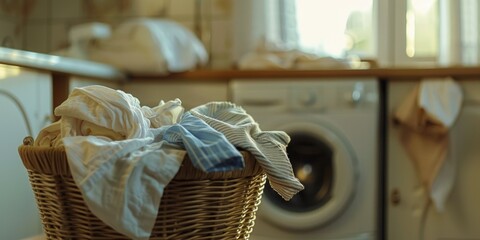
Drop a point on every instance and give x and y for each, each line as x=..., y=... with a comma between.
x=426, y=116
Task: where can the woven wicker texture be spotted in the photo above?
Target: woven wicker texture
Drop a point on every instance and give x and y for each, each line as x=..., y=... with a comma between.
x=195, y=205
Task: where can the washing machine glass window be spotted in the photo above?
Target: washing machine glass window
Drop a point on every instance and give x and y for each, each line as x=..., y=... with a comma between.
x=325, y=164
x=312, y=162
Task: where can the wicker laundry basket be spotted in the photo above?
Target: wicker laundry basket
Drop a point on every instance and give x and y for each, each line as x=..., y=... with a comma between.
x=195, y=205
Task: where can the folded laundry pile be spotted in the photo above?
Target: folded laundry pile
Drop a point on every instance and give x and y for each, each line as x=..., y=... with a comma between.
x=138, y=46
x=269, y=55
x=122, y=155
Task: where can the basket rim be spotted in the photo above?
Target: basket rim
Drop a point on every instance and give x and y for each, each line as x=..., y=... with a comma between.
x=53, y=161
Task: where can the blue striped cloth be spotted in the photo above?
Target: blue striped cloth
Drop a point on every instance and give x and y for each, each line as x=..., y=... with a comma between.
x=207, y=148
x=268, y=147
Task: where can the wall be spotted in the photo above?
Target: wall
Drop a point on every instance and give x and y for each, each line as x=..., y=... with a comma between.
x=42, y=25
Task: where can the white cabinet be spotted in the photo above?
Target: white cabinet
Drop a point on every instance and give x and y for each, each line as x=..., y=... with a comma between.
x=403, y=219
x=409, y=217
x=25, y=103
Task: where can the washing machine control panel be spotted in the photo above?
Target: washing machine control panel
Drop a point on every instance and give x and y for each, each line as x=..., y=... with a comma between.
x=331, y=96
x=306, y=95
x=308, y=98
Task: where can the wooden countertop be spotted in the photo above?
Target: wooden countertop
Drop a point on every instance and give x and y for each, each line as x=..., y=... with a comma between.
x=382, y=73
x=60, y=65
x=65, y=66
x=61, y=69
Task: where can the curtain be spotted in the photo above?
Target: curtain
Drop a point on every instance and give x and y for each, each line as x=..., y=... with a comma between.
x=458, y=33
x=254, y=21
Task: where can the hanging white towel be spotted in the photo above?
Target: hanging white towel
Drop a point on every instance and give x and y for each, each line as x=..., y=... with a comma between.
x=426, y=116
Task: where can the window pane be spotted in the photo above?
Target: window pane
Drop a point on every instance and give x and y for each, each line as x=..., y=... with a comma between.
x=335, y=28
x=422, y=28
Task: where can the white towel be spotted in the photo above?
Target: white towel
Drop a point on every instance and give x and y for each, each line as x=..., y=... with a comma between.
x=150, y=46
x=269, y=55
x=122, y=182
x=111, y=152
x=103, y=110
x=426, y=115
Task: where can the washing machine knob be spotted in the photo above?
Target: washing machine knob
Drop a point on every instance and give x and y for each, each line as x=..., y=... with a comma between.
x=307, y=98
x=357, y=94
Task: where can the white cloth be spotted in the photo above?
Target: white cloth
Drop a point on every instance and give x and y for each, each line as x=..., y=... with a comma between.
x=49, y=136
x=267, y=55
x=122, y=182
x=291, y=60
x=112, y=155
x=442, y=99
x=268, y=147
x=426, y=115
x=121, y=164
x=150, y=46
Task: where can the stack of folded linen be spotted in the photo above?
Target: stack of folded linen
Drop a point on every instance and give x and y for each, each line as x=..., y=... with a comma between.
x=138, y=46
x=122, y=155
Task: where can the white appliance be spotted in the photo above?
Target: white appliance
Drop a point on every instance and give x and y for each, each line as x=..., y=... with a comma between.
x=333, y=125
x=409, y=215
x=25, y=102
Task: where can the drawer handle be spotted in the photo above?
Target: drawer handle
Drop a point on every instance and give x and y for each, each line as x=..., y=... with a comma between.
x=395, y=197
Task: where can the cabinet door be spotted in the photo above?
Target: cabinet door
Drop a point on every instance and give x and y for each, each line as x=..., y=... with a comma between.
x=25, y=101
x=407, y=213
x=406, y=197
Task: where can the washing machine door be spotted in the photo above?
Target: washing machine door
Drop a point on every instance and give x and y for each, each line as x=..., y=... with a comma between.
x=325, y=164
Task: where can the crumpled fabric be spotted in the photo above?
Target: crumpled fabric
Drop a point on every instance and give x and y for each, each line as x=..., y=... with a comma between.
x=268, y=147
x=425, y=117
x=269, y=55
x=118, y=155
x=122, y=155
x=205, y=146
x=150, y=46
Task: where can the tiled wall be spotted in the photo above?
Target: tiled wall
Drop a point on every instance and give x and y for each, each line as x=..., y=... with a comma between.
x=42, y=25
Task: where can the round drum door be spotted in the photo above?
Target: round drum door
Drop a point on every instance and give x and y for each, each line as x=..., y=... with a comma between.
x=325, y=164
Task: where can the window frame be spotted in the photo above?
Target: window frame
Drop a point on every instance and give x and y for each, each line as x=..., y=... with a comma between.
x=254, y=20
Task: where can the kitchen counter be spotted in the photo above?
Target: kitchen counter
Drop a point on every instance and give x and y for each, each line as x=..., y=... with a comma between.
x=381, y=73
x=61, y=69
x=75, y=67
x=60, y=65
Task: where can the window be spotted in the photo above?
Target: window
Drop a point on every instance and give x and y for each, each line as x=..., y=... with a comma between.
x=336, y=28
x=347, y=27
x=421, y=29
x=395, y=33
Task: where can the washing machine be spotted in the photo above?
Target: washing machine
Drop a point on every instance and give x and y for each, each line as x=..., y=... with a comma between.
x=333, y=126
x=25, y=102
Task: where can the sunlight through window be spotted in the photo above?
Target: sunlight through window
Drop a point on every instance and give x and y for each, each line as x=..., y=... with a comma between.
x=335, y=28
x=421, y=28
